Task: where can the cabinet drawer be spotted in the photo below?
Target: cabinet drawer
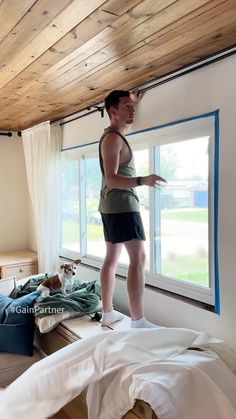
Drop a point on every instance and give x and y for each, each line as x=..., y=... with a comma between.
x=20, y=271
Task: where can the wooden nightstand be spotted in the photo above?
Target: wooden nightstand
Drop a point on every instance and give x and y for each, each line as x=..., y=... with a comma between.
x=21, y=263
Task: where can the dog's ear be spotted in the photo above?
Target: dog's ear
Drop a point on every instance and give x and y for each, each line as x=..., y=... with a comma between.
x=63, y=266
x=77, y=261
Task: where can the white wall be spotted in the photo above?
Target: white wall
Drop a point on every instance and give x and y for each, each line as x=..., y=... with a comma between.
x=202, y=91
x=14, y=228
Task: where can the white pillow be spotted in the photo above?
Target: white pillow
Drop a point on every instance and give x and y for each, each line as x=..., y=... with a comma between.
x=7, y=285
x=47, y=323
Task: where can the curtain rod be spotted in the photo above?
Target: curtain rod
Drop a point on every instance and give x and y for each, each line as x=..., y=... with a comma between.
x=89, y=112
x=203, y=62
x=9, y=133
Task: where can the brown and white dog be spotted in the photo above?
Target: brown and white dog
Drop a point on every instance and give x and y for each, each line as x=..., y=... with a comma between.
x=63, y=282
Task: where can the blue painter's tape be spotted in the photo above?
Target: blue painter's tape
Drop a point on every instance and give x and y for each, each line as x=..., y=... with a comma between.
x=79, y=146
x=216, y=195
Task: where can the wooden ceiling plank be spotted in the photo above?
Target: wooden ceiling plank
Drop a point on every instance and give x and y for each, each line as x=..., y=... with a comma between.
x=123, y=24
x=89, y=27
x=202, y=12
x=38, y=17
x=8, y=19
x=123, y=41
x=189, y=54
x=186, y=39
x=136, y=64
x=62, y=24
x=84, y=49
x=137, y=12
x=167, y=68
x=134, y=82
x=116, y=71
x=139, y=16
x=84, y=91
x=175, y=59
x=169, y=41
x=202, y=15
x=95, y=42
x=216, y=21
x=118, y=8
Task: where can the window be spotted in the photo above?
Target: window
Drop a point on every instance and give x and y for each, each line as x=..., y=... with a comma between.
x=181, y=212
x=180, y=219
x=141, y=158
x=70, y=209
x=94, y=232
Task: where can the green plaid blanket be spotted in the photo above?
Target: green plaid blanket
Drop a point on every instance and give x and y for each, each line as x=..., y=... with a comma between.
x=84, y=297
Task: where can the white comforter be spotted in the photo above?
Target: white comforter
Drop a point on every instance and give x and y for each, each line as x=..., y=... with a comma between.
x=120, y=366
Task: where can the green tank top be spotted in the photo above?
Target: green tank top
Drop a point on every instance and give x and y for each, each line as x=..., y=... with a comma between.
x=112, y=200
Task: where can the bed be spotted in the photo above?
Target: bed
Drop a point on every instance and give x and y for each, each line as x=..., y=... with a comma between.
x=115, y=372
x=68, y=332
x=180, y=373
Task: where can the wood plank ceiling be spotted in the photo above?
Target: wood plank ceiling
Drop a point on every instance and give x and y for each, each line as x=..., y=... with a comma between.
x=61, y=56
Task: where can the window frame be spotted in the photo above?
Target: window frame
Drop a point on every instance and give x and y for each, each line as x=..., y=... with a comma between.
x=174, y=131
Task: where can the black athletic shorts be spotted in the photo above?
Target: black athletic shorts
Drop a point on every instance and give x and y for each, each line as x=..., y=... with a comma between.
x=122, y=227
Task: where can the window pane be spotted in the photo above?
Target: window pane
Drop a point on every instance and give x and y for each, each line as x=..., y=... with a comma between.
x=95, y=240
x=70, y=228
x=141, y=158
x=181, y=212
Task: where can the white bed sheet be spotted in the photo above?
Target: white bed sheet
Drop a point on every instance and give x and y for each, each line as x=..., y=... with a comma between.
x=118, y=367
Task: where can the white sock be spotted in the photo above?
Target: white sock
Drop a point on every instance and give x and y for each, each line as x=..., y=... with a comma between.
x=143, y=323
x=111, y=317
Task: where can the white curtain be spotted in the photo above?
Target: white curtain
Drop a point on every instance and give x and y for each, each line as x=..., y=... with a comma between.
x=42, y=146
